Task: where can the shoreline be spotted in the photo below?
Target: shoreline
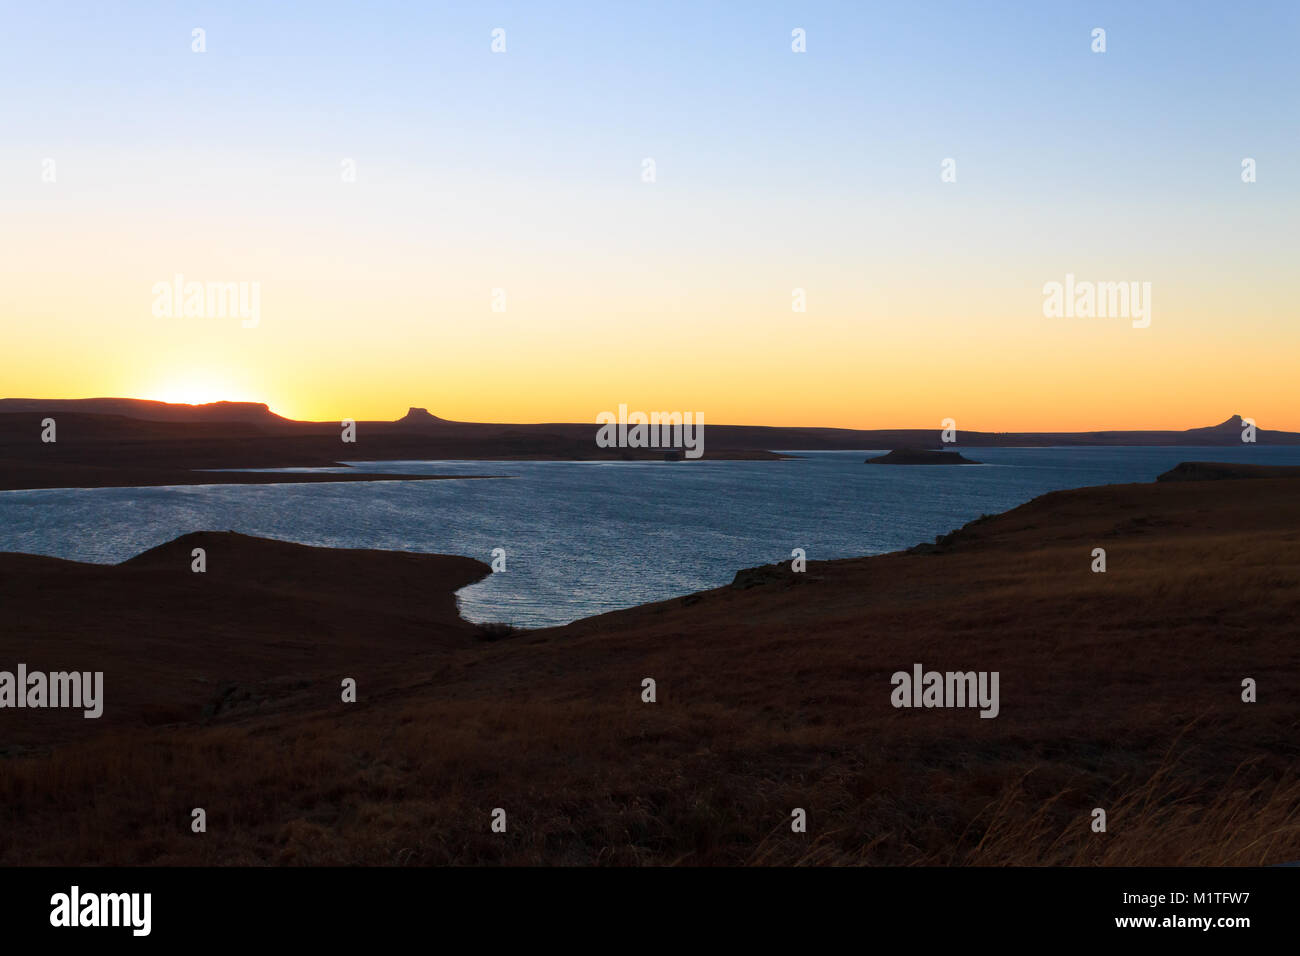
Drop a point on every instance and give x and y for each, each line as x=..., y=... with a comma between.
x=95, y=435
x=29, y=477
x=1119, y=689
x=193, y=479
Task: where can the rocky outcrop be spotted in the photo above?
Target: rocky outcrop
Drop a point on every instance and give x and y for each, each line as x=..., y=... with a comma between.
x=920, y=456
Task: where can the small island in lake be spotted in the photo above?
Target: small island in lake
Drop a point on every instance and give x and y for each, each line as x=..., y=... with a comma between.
x=920, y=456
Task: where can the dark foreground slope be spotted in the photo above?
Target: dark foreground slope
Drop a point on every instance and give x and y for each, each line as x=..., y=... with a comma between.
x=1118, y=690
x=268, y=626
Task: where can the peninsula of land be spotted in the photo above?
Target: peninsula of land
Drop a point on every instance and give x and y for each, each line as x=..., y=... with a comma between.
x=1166, y=690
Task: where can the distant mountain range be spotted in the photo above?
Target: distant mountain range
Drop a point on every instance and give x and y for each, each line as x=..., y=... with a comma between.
x=108, y=417
x=125, y=442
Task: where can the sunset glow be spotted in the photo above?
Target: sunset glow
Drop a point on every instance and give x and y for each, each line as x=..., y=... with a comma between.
x=523, y=269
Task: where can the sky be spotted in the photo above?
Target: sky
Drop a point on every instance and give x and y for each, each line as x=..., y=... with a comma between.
x=427, y=222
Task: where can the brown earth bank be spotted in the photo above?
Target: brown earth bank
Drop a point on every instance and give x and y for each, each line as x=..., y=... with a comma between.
x=1119, y=690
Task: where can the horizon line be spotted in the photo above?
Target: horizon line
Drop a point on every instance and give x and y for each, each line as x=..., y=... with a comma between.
x=316, y=421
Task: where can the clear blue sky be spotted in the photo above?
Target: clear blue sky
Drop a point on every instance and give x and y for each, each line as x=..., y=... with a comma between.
x=712, y=85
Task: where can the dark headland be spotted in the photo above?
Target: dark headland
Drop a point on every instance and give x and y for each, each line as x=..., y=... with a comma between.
x=921, y=456
x=1120, y=690
x=1221, y=471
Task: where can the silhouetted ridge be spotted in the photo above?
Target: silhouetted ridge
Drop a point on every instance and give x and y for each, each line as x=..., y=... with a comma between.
x=146, y=409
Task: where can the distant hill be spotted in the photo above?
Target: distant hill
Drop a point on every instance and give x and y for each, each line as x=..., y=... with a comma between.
x=1229, y=429
x=147, y=410
x=421, y=418
x=719, y=436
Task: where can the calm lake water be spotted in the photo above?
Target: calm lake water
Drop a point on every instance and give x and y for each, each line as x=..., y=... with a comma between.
x=586, y=537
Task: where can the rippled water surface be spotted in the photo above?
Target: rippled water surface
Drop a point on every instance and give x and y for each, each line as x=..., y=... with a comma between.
x=586, y=537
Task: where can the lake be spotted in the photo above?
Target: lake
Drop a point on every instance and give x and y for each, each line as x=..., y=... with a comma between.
x=581, y=538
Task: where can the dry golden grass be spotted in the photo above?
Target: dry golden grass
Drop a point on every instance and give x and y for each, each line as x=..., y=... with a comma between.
x=338, y=791
x=1172, y=819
